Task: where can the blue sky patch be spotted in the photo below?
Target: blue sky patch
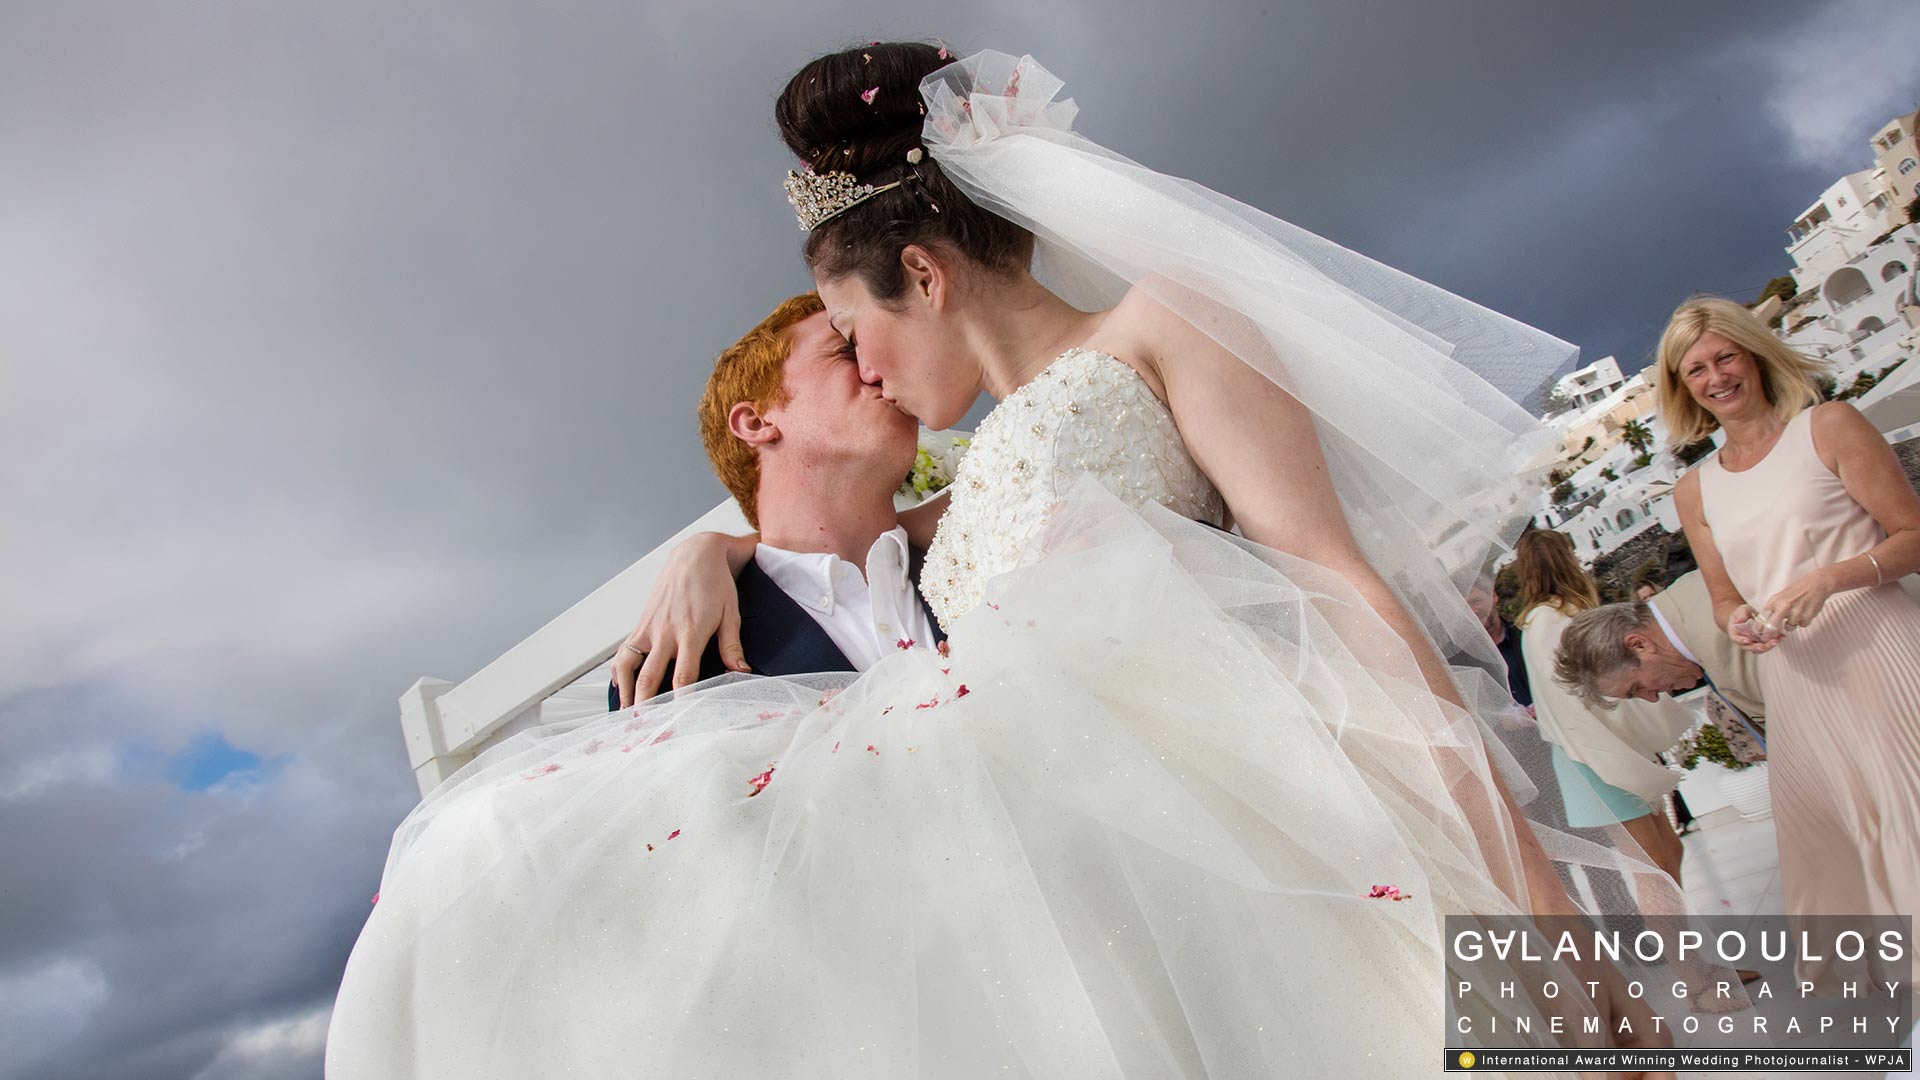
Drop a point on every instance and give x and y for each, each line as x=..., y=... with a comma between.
x=207, y=760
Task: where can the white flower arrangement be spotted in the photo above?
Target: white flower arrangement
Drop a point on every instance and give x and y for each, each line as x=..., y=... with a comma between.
x=934, y=465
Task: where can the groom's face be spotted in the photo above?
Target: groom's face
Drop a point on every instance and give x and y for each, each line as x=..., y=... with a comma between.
x=830, y=412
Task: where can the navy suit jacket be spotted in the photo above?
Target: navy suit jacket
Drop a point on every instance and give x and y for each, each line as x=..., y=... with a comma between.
x=778, y=635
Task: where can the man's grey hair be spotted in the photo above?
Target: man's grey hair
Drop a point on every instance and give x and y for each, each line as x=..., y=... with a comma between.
x=1594, y=648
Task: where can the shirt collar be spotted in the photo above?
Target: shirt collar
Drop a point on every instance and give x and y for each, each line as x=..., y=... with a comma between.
x=808, y=575
x=1674, y=639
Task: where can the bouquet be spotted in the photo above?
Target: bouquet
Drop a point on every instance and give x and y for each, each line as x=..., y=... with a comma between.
x=934, y=465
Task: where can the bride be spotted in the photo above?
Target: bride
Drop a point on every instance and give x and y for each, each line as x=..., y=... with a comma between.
x=1174, y=803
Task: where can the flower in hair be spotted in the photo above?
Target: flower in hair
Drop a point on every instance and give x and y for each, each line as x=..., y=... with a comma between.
x=868, y=95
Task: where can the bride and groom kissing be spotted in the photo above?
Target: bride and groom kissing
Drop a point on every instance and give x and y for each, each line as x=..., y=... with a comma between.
x=1132, y=817
x=813, y=455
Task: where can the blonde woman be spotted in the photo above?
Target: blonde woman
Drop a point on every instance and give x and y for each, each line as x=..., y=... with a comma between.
x=1803, y=523
x=1604, y=761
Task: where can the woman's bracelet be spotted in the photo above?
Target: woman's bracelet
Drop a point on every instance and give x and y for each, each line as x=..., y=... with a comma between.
x=1878, y=578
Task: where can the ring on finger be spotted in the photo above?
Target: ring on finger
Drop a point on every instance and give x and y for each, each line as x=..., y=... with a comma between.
x=635, y=650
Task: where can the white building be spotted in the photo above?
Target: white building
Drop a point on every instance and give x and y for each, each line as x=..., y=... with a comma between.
x=1848, y=217
x=1866, y=316
x=1591, y=383
x=1897, y=159
x=1614, y=498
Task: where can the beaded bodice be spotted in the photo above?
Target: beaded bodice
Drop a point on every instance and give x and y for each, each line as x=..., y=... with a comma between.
x=1086, y=415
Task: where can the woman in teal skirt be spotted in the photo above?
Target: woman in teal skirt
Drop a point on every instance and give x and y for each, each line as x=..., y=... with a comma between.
x=1609, y=777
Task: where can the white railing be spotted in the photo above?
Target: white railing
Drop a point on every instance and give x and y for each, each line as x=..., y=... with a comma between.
x=446, y=724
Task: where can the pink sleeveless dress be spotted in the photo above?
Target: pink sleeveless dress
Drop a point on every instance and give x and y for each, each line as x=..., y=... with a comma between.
x=1842, y=695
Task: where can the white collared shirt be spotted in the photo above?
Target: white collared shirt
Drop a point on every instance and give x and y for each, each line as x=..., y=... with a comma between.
x=866, y=616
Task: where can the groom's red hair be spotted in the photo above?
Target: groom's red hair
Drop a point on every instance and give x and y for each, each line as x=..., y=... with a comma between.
x=751, y=371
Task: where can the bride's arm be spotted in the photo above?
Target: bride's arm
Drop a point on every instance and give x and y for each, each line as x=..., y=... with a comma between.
x=692, y=600
x=1257, y=443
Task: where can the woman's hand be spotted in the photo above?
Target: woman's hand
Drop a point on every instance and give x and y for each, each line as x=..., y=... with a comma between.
x=1795, y=606
x=693, y=600
x=1743, y=626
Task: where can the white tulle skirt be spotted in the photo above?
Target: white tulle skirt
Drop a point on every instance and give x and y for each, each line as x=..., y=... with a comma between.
x=1128, y=827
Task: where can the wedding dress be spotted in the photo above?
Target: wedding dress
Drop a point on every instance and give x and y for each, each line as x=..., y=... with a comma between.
x=1129, y=825
x=1171, y=804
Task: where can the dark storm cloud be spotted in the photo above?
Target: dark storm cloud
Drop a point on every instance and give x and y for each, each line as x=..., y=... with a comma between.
x=344, y=344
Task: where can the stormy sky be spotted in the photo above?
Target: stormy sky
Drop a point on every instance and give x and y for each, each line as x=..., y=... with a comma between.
x=346, y=343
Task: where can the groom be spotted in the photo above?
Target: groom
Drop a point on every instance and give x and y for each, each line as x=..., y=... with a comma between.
x=812, y=455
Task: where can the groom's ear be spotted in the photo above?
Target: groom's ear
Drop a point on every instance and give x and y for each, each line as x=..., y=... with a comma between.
x=926, y=278
x=745, y=423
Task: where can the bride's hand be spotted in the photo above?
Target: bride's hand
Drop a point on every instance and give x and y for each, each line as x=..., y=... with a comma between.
x=693, y=598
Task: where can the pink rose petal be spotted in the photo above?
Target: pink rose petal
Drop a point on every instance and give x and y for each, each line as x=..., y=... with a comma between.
x=759, y=783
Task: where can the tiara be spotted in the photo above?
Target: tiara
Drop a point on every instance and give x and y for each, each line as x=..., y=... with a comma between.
x=820, y=197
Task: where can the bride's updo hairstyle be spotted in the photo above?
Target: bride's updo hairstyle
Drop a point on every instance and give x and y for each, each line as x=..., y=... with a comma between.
x=859, y=112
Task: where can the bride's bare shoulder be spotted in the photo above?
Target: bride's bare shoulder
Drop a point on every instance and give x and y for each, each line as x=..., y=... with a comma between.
x=1141, y=329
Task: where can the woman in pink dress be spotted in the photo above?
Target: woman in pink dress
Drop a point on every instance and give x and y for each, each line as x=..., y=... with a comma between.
x=1803, y=523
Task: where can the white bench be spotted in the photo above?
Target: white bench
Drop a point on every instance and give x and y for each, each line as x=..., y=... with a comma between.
x=557, y=673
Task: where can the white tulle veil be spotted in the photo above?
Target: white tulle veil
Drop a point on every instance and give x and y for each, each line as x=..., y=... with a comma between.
x=1413, y=388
